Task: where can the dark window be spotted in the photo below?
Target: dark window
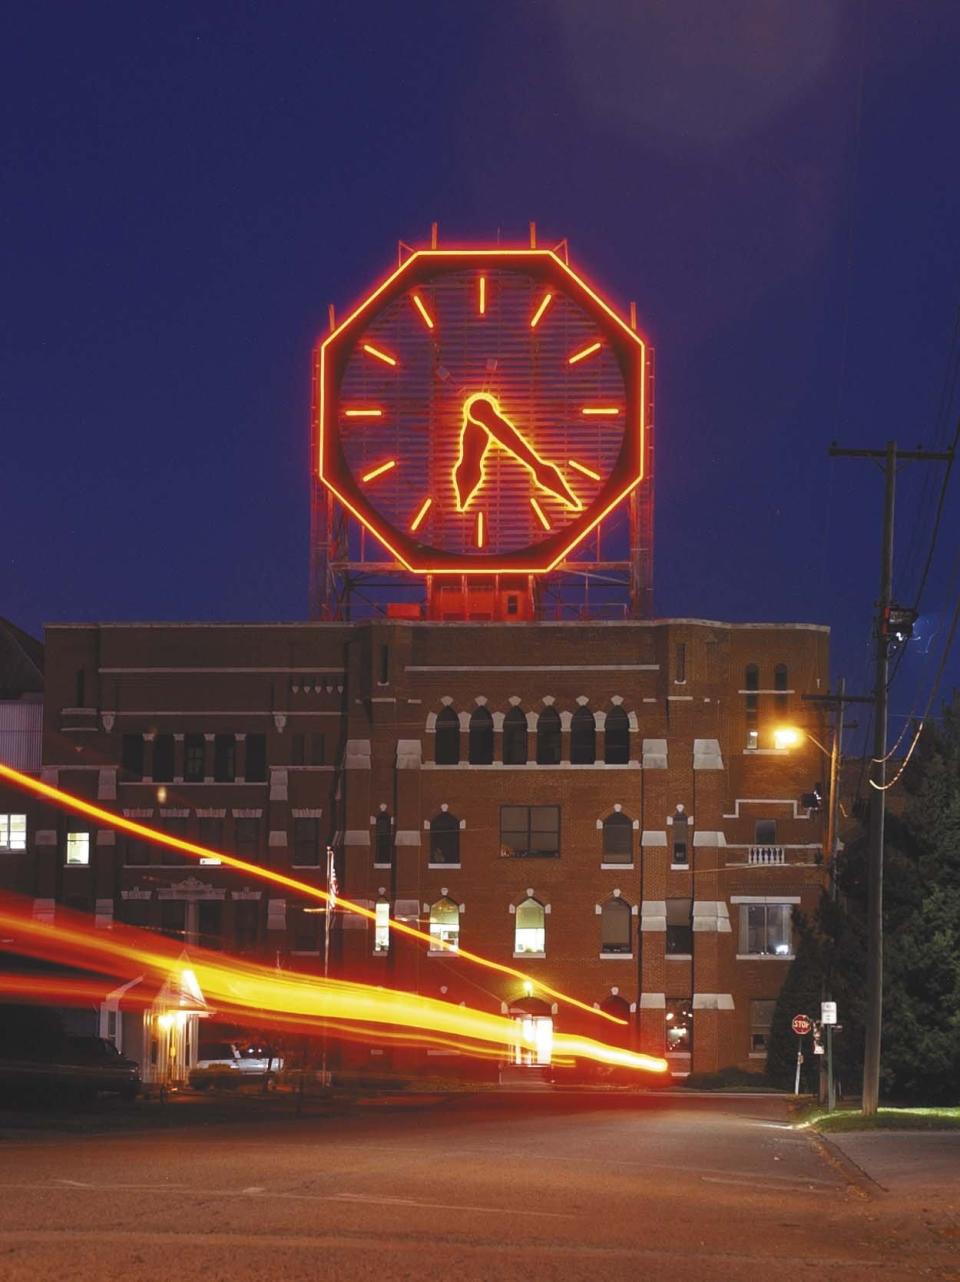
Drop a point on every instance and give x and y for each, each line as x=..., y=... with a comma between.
x=513, y=604
x=134, y=912
x=583, y=738
x=446, y=751
x=616, y=738
x=681, y=854
x=211, y=833
x=176, y=827
x=481, y=738
x=444, y=838
x=766, y=930
x=761, y=1021
x=194, y=758
x=131, y=755
x=679, y=1020
x=246, y=923
x=765, y=832
x=780, y=683
x=138, y=851
x=680, y=663
x=382, y=839
x=530, y=831
x=318, y=750
x=384, y=665
x=615, y=927
x=305, y=928
x=81, y=688
x=515, y=738
x=751, y=683
x=224, y=758
x=548, y=737
x=298, y=750
x=306, y=843
x=163, y=758
x=256, y=767
x=246, y=838
x=617, y=839
x=679, y=927
x=173, y=918
x=210, y=923
x=617, y=1006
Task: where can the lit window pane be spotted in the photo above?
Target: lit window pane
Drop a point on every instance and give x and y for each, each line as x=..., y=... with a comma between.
x=13, y=832
x=444, y=925
x=530, y=928
x=78, y=847
x=381, y=929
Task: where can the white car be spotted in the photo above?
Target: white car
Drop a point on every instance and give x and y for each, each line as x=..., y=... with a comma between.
x=239, y=1057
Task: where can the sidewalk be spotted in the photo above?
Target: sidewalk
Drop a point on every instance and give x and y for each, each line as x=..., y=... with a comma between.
x=922, y=1165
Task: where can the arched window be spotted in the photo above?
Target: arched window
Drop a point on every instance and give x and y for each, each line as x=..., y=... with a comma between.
x=515, y=738
x=444, y=838
x=444, y=925
x=618, y=839
x=616, y=738
x=530, y=933
x=383, y=839
x=780, y=684
x=481, y=738
x=548, y=737
x=751, y=686
x=616, y=926
x=583, y=738
x=619, y=1008
x=446, y=747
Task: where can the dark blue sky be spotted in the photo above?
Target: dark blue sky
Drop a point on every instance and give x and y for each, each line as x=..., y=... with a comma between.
x=186, y=187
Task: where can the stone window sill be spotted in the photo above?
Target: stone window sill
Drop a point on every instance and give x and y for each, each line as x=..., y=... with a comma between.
x=616, y=956
x=765, y=957
x=528, y=956
x=679, y=956
x=616, y=867
x=440, y=867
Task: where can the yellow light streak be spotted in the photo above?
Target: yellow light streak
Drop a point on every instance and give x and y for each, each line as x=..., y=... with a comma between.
x=579, y=467
x=595, y=411
x=418, y=519
x=483, y=296
x=363, y=413
x=378, y=355
x=584, y=353
x=538, y=314
x=479, y=529
x=540, y=514
x=419, y=305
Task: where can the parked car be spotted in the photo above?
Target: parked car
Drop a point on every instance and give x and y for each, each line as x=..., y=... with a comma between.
x=238, y=1060
x=38, y=1059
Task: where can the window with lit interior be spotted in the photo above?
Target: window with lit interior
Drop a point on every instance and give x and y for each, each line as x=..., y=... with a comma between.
x=678, y=1014
x=766, y=930
x=78, y=848
x=529, y=932
x=615, y=927
x=445, y=838
x=446, y=744
x=381, y=927
x=444, y=925
x=481, y=738
x=13, y=832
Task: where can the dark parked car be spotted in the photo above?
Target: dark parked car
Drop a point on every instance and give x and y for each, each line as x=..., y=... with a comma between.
x=38, y=1059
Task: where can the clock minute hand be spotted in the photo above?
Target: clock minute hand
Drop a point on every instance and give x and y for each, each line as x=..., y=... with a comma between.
x=484, y=410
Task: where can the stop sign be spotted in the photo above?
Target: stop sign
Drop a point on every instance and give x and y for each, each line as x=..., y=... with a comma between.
x=801, y=1025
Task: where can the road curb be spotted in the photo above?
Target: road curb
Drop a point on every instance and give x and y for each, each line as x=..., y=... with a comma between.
x=863, y=1185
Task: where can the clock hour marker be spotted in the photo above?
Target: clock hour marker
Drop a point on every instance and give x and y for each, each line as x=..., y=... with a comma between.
x=480, y=530
x=376, y=353
x=583, y=353
x=379, y=471
x=540, y=514
x=578, y=467
x=419, y=305
x=482, y=299
x=538, y=314
x=418, y=519
x=598, y=411
x=363, y=413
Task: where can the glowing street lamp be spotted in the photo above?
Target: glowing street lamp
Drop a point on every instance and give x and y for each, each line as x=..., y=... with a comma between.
x=787, y=737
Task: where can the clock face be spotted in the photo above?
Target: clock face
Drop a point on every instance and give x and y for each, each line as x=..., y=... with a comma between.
x=481, y=411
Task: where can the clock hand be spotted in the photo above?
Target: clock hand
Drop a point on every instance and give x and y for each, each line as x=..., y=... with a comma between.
x=468, y=471
x=482, y=409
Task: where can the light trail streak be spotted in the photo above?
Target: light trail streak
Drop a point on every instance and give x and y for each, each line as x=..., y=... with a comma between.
x=583, y=354
x=377, y=354
x=80, y=806
x=264, y=994
x=379, y=471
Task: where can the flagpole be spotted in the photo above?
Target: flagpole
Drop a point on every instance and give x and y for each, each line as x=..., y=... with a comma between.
x=327, y=926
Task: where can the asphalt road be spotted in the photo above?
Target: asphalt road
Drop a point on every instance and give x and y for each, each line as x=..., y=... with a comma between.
x=526, y=1186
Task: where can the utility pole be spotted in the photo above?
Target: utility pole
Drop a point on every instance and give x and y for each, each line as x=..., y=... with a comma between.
x=889, y=456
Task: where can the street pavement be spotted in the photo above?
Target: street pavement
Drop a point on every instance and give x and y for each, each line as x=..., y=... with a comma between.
x=499, y=1186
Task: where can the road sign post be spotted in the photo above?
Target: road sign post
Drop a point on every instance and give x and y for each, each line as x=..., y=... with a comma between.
x=801, y=1025
x=828, y=1020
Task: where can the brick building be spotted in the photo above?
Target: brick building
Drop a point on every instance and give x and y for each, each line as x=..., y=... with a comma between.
x=599, y=804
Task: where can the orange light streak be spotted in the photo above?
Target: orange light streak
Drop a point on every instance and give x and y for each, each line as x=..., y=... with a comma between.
x=419, y=305
x=538, y=314
x=539, y=511
x=80, y=806
x=379, y=471
x=418, y=519
x=579, y=467
x=483, y=296
x=259, y=991
x=595, y=411
x=378, y=355
x=479, y=529
x=584, y=353
x=364, y=413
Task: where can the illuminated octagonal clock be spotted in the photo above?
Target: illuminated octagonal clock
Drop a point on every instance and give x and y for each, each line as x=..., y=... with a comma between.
x=481, y=411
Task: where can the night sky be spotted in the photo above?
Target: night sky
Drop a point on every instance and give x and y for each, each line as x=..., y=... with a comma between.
x=186, y=187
